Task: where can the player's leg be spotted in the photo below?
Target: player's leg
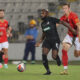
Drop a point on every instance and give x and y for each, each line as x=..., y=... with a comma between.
x=65, y=49
x=5, y=46
x=5, y=50
x=1, y=55
x=56, y=57
x=33, y=53
x=77, y=47
x=1, y=59
x=76, y=53
x=45, y=51
x=55, y=49
x=67, y=43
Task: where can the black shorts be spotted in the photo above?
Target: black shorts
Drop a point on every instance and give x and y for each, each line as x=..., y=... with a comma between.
x=51, y=44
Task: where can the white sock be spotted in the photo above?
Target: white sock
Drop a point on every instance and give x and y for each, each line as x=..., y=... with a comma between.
x=5, y=64
x=65, y=67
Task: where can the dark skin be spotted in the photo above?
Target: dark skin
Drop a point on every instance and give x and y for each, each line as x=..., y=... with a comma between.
x=46, y=50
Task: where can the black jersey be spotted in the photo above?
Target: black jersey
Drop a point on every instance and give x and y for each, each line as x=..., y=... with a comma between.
x=49, y=28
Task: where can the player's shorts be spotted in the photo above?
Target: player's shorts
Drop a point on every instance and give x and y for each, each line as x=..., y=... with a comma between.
x=4, y=45
x=51, y=44
x=70, y=40
x=77, y=44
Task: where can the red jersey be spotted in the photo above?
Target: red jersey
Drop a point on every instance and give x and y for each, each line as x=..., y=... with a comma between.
x=3, y=31
x=72, y=19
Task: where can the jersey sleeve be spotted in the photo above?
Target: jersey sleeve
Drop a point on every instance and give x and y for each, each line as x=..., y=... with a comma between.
x=75, y=19
x=7, y=24
x=56, y=20
x=63, y=18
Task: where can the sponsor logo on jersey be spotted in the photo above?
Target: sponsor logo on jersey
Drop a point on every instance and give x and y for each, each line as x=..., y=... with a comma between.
x=2, y=27
x=47, y=22
x=46, y=29
x=57, y=45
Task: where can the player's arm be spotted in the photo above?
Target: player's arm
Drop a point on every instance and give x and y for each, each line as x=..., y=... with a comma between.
x=69, y=27
x=9, y=30
x=58, y=21
x=57, y=25
x=41, y=40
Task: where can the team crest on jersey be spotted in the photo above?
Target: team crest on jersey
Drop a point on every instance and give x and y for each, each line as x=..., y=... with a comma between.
x=77, y=20
x=5, y=24
x=48, y=22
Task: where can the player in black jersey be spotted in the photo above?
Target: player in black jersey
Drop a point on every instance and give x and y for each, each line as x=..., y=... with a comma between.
x=50, y=38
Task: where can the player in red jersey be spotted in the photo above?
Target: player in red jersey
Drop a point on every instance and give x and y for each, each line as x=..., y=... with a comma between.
x=71, y=18
x=5, y=31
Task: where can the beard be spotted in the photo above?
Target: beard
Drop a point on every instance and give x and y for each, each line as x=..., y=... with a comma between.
x=1, y=17
x=43, y=18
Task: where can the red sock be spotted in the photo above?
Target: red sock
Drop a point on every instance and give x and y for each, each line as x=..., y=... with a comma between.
x=64, y=58
x=6, y=61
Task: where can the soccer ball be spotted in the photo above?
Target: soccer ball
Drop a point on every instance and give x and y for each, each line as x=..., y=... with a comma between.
x=20, y=67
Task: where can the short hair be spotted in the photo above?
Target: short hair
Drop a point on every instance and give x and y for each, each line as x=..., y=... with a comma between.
x=66, y=3
x=2, y=10
x=45, y=10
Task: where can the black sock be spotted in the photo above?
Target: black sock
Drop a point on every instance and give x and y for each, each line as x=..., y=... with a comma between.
x=1, y=54
x=45, y=62
x=58, y=60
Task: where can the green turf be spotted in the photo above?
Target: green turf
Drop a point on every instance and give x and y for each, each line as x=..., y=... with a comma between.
x=35, y=72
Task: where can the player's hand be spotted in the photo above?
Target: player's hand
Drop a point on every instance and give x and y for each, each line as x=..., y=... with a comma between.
x=37, y=44
x=9, y=35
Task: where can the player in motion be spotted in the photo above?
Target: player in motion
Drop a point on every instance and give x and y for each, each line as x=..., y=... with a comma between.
x=71, y=18
x=50, y=38
x=5, y=31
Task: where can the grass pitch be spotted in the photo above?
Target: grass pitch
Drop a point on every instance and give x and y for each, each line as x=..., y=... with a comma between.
x=36, y=71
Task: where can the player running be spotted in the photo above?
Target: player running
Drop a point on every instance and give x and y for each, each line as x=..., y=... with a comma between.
x=71, y=18
x=50, y=38
x=5, y=31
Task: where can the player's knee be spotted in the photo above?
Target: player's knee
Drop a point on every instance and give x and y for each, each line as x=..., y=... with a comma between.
x=45, y=50
x=5, y=51
x=65, y=47
x=76, y=54
x=54, y=55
